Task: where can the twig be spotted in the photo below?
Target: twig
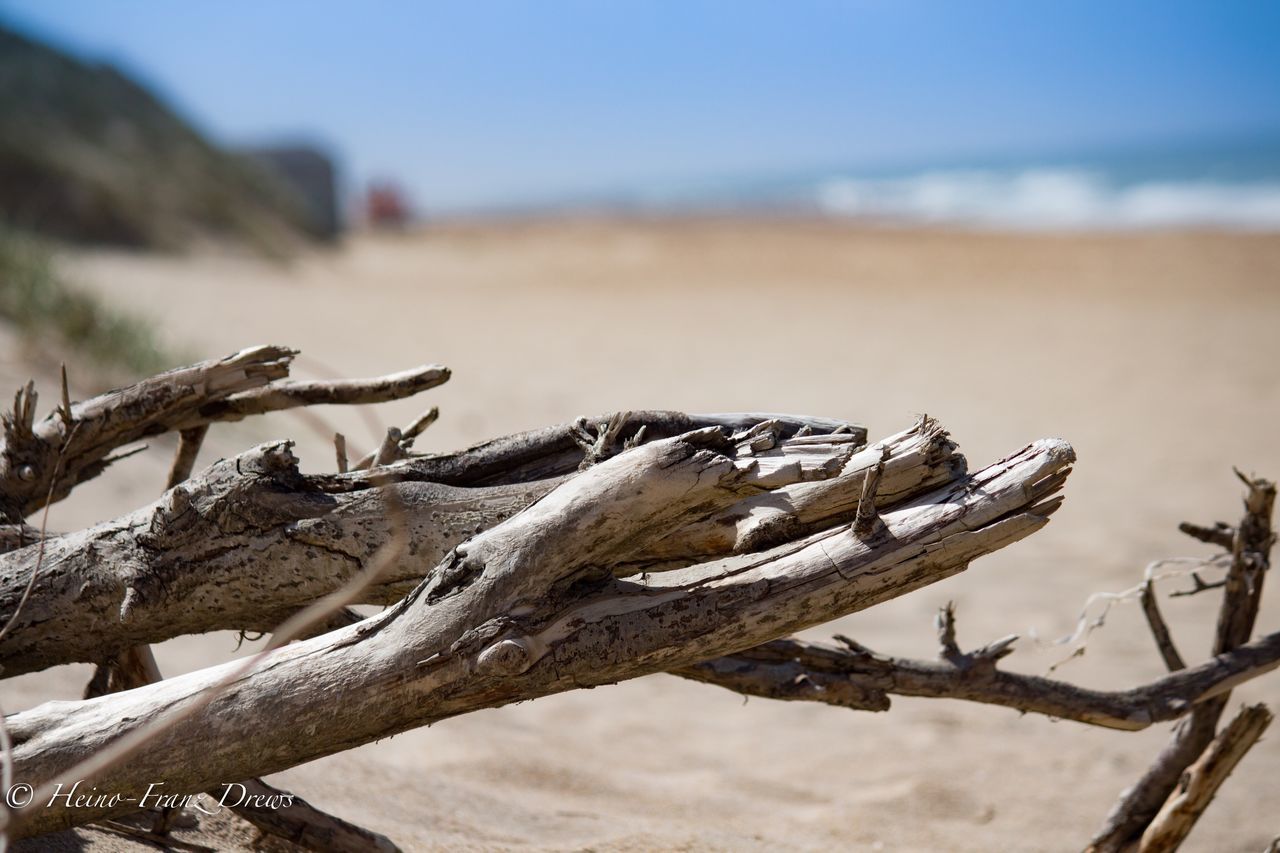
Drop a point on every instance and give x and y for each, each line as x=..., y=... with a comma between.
x=184, y=459
x=396, y=443
x=389, y=451
x=1221, y=534
x=323, y=368
x=866, y=520
x=65, y=410
x=419, y=424
x=1199, y=586
x=340, y=450
x=293, y=393
x=1159, y=630
x=1086, y=625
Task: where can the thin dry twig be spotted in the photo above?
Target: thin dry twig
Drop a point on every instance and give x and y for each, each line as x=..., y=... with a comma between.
x=340, y=451
x=866, y=521
x=1220, y=534
x=1199, y=585
x=1160, y=630
x=184, y=459
x=397, y=442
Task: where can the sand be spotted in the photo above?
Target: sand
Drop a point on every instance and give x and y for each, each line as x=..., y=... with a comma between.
x=1156, y=355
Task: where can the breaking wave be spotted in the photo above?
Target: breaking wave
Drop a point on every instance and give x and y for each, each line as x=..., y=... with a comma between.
x=1051, y=198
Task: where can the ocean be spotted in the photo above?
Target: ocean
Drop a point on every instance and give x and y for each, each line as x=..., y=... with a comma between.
x=1234, y=185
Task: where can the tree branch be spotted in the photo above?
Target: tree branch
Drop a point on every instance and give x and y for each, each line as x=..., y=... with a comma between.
x=1250, y=558
x=1159, y=629
x=245, y=383
x=858, y=678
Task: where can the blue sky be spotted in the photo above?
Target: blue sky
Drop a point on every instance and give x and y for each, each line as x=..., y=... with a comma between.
x=488, y=102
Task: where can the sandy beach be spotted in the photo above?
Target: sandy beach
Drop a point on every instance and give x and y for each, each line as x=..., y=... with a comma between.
x=1155, y=353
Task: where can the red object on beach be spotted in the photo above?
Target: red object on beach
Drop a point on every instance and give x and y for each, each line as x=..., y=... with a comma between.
x=386, y=206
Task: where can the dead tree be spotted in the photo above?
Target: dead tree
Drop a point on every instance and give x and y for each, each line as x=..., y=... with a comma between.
x=582, y=554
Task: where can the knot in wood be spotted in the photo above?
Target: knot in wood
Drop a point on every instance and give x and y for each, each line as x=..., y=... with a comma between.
x=505, y=657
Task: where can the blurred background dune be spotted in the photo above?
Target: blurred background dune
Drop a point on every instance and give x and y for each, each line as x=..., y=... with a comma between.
x=1023, y=220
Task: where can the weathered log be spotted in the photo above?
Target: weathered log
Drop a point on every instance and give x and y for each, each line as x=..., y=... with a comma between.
x=251, y=540
x=531, y=607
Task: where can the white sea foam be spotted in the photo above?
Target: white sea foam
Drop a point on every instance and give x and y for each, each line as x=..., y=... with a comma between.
x=1045, y=198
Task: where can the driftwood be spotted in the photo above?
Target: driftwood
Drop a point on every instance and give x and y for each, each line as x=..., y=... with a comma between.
x=251, y=540
x=575, y=555
x=1250, y=545
x=49, y=458
x=531, y=607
